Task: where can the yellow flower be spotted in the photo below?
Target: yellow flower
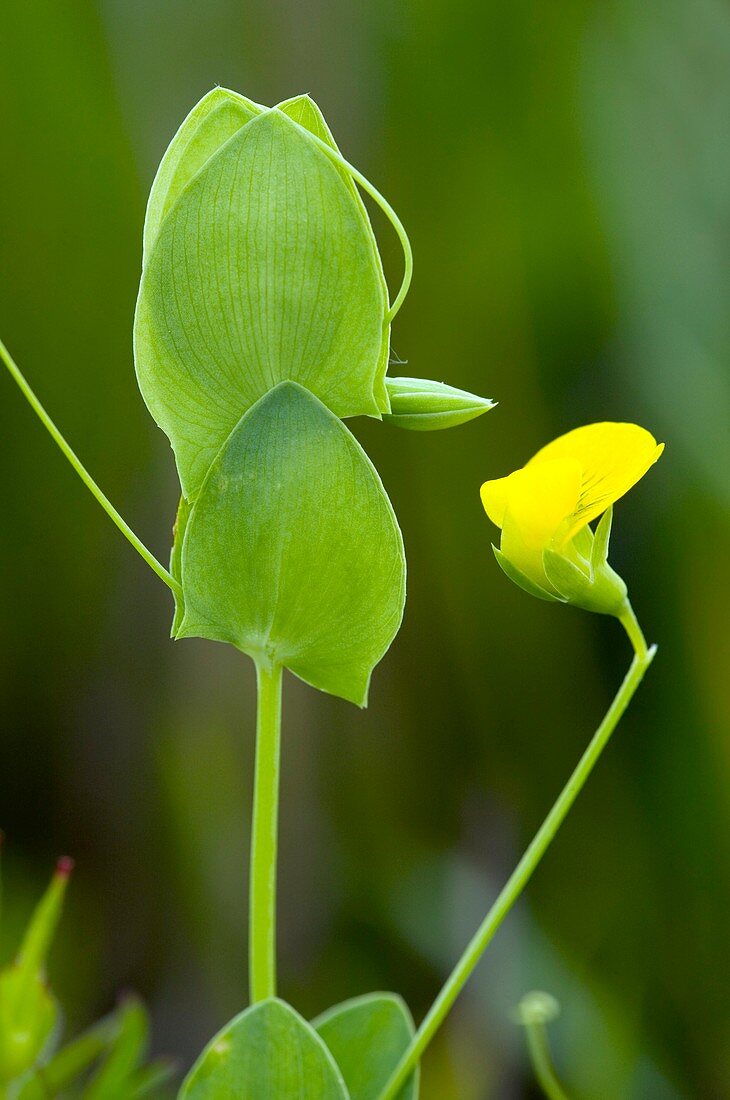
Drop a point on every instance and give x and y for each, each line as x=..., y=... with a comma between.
x=545, y=508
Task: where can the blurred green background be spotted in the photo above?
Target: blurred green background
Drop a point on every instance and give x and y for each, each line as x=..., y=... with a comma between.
x=564, y=173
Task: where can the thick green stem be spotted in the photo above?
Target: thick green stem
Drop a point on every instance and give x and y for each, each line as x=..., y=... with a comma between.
x=525, y=868
x=84, y=474
x=262, y=895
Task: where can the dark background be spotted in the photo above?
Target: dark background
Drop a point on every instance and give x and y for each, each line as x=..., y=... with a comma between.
x=564, y=172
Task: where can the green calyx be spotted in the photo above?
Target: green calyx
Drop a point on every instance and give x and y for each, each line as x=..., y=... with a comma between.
x=578, y=574
x=585, y=579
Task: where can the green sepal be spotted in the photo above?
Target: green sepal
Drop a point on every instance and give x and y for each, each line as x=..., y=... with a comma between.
x=600, y=590
x=29, y=1013
x=426, y=406
x=212, y=121
x=292, y=551
x=583, y=543
x=367, y=1037
x=518, y=577
x=264, y=270
x=267, y=1053
x=601, y=539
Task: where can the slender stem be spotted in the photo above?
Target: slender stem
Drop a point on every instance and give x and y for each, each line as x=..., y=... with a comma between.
x=397, y=225
x=384, y=205
x=526, y=866
x=262, y=894
x=542, y=1062
x=630, y=623
x=84, y=474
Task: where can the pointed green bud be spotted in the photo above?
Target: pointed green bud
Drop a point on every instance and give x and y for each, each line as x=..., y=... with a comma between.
x=28, y=1011
x=426, y=406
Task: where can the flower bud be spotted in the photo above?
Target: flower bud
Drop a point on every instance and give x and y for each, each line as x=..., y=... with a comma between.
x=426, y=406
x=537, y=1008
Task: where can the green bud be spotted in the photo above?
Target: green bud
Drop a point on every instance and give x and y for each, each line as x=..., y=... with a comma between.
x=28, y=1011
x=426, y=406
x=537, y=1008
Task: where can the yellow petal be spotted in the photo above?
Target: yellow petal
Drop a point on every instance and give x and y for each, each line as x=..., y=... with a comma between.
x=494, y=498
x=613, y=457
x=538, y=500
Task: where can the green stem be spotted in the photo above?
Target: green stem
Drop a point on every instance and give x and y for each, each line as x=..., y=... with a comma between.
x=84, y=474
x=525, y=868
x=630, y=623
x=384, y=205
x=542, y=1063
x=262, y=895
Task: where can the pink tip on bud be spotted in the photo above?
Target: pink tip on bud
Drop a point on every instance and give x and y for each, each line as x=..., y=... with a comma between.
x=64, y=866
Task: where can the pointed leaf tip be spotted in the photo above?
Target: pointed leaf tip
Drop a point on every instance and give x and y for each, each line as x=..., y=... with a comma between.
x=65, y=866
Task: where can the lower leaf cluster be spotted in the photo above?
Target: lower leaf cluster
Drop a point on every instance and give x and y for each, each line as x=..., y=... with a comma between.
x=348, y=1053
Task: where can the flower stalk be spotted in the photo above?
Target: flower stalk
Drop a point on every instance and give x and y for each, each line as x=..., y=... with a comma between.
x=534, y=1012
x=527, y=865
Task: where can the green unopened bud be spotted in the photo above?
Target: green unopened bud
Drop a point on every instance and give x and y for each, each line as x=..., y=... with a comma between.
x=536, y=1008
x=426, y=406
x=28, y=1010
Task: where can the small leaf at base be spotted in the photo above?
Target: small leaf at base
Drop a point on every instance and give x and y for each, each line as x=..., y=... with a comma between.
x=367, y=1037
x=267, y=1053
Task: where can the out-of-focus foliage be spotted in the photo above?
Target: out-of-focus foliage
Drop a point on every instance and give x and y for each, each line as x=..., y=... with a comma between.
x=37, y=1058
x=563, y=174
